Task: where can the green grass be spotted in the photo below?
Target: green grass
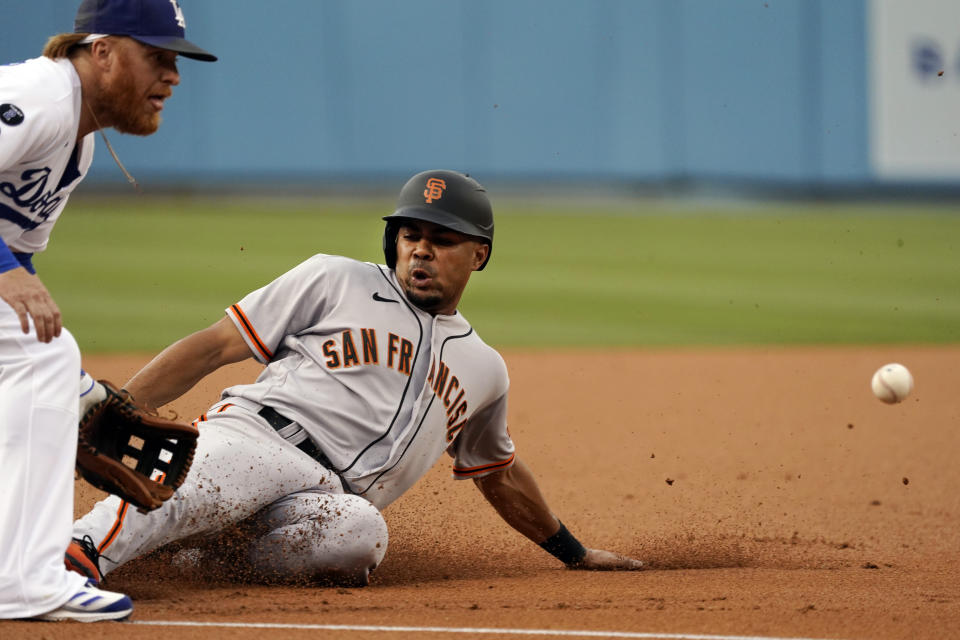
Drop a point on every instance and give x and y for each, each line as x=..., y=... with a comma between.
x=139, y=273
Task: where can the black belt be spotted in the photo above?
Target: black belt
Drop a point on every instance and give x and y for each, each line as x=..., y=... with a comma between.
x=278, y=422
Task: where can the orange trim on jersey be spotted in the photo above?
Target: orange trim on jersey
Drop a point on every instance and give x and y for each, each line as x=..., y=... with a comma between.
x=469, y=472
x=115, y=529
x=251, y=333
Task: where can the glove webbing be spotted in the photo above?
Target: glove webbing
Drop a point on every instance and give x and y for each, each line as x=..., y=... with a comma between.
x=148, y=456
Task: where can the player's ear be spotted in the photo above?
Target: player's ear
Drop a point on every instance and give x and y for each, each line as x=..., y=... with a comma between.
x=101, y=50
x=480, y=253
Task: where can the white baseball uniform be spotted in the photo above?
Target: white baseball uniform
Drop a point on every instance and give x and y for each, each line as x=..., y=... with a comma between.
x=40, y=164
x=361, y=394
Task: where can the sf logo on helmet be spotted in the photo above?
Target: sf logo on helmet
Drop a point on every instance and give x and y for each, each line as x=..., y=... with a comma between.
x=434, y=190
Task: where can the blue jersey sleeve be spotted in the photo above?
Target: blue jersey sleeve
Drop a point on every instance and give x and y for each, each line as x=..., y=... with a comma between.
x=7, y=259
x=26, y=261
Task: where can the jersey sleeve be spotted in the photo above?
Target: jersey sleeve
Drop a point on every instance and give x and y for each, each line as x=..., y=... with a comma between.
x=21, y=142
x=266, y=316
x=41, y=126
x=483, y=445
x=7, y=259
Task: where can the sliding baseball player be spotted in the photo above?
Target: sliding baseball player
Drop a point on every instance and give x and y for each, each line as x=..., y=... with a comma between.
x=370, y=375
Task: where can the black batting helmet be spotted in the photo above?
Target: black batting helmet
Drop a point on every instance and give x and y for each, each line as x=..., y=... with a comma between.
x=447, y=198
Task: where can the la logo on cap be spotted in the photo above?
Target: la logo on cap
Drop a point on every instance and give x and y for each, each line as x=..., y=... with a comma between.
x=178, y=14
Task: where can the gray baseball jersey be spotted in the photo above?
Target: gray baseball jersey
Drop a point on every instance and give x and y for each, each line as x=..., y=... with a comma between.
x=381, y=387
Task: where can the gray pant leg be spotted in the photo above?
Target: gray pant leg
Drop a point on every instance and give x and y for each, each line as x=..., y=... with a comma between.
x=315, y=535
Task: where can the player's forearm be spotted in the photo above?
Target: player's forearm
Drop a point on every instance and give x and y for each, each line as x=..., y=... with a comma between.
x=167, y=377
x=517, y=499
x=184, y=363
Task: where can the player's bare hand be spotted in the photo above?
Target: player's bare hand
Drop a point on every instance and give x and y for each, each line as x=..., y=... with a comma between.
x=600, y=560
x=27, y=296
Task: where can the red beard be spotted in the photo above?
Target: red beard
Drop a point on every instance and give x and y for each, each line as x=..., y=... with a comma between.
x=126, y=110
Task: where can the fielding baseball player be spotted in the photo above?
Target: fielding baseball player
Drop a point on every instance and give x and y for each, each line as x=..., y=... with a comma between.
x=370, y=375
x=116, y=70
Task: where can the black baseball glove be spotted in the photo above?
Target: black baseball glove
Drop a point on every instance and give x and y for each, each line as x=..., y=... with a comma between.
x=132, y=452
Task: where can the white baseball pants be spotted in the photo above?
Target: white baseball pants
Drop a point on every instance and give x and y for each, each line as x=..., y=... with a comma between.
x=39, y=385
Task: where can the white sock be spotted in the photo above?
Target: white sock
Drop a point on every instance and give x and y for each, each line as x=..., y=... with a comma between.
x=91, y=392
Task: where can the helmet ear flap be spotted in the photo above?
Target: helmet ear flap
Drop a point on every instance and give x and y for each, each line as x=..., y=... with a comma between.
x=390, y=243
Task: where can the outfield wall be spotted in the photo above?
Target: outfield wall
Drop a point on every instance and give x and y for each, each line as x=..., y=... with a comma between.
x=645, y=91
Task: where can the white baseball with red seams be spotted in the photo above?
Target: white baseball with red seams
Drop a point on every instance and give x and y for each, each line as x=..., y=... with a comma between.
x=892, y=383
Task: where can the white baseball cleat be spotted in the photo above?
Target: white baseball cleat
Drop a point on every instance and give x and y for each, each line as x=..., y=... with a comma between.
x=91, y=604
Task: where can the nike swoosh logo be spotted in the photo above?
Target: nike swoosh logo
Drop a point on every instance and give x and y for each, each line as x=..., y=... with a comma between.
x=379, y=298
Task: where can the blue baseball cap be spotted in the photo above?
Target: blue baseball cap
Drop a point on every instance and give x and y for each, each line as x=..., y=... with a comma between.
x=159, y=23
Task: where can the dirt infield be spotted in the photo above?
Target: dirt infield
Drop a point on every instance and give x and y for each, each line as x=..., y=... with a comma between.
x=770, y=493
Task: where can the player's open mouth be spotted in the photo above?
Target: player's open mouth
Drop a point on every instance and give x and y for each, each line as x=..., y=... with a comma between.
x=421, y=276
x=157, y=102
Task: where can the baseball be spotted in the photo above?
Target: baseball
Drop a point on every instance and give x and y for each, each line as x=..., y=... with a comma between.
x=892, y=383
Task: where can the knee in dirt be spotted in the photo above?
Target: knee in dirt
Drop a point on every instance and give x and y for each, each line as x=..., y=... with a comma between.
x=341, y=542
